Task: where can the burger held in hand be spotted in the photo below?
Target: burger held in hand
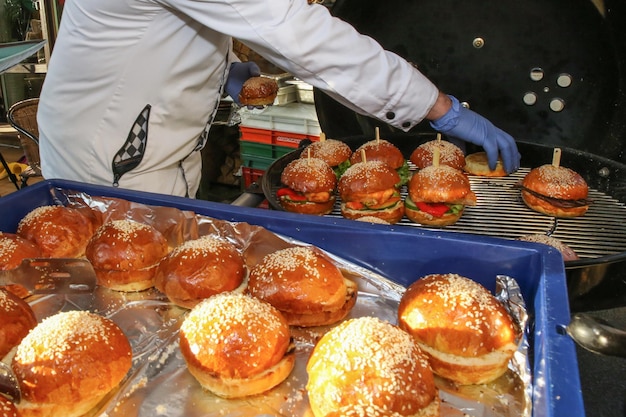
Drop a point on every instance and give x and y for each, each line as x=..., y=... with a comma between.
x=371, y=188
x=258, y=91
x=236, y=345
x=466, y=332
x=304, y=285
x=369, y=367
x=555, y=191
x=309, y=187
x=437, y=196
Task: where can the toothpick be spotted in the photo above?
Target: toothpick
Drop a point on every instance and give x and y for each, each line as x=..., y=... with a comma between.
x=363, y=158
x=556, y=157
x=436, y=154
x=377, y=130
x=308, y=156
x=322, y=136
x=438, y=137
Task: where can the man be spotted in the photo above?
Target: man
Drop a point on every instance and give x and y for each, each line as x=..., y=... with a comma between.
x=133, y=85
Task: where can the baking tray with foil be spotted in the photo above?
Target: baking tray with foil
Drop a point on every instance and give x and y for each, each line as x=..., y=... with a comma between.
x=159, y=383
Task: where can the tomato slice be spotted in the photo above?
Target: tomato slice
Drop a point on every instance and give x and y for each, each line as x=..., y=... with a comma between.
x=385, y=204
x=290, y=194
x=434, y=209
x=355, y=205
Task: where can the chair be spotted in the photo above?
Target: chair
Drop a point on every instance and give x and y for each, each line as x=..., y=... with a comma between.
x=23, y=117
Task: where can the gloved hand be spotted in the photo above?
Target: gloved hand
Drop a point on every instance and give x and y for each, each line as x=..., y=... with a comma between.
x=238, y=74
x=464, y=124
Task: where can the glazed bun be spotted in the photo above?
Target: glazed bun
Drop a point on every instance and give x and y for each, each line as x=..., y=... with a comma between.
x=58, y=231
x=556, y=191
x=7, y=408
x=369, y=367
x=371, y=189
x=379, y=150
x=449, y=154
x=305, y=286
x=333, y=152
x=68, y=363
x=442, y=185
x=198, y=269
x=466, y=332
x=258, y=91
x=478, y=164
x=16, y=320
x=13, y=250
x=236, y=345
x=311, y=183
x=125, y=254
x=568, y=253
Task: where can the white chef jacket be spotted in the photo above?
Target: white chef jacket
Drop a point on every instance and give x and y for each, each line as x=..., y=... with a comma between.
x=113, y=59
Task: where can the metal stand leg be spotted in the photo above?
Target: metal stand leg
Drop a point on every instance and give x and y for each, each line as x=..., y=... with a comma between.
x=12, y=176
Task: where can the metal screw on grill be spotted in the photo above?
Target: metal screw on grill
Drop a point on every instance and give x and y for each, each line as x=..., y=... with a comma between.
x=478, y=43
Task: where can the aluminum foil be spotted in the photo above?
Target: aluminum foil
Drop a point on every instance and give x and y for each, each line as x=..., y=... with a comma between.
x=160, y=385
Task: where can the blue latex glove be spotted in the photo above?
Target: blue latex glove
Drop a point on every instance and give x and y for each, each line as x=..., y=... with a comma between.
x=238, y=74
x=464, y=124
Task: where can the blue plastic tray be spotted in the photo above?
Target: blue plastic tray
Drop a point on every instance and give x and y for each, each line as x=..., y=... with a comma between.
x=401, y=254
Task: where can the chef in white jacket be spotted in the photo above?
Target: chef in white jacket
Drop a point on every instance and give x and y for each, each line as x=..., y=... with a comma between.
x=133, y=85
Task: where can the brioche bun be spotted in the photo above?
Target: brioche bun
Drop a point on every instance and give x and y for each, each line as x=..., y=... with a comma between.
x=305, y=286
x=369, y=367
x=58, y=231
x=568, y=253
x=478, y=164
x=466, y=332
x=379, y=150
x=311, y=186
x=333, y=152
x=16, y=320
x=371, y=189
x=68, y=363
x=125, y=254
x=449, y=154
x=13, y=250
x=258, y=91
x=236, y=345
x=555, y=191
x=438, y=185
x=7, y=408
x=198, y=269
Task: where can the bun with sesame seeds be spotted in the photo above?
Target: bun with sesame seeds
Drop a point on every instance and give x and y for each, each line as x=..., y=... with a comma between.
x=68, y=363
x=309, y=187
x=236, y=345
x=449, y=154
x=198, y=269
x=125, y=254
x=334, y=152
x=556, y=191
x=367, y=367
x=58, y=231
x=258, y=91
x=7, y=408
x=304, y=285
x=13, y=250
x=466, y=332
x=16, y=320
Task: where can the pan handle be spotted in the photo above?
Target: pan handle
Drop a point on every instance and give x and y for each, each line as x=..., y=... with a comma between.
x=252, y=197
x=597, y=335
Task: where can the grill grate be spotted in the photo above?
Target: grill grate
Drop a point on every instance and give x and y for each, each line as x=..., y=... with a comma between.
x=501, y=212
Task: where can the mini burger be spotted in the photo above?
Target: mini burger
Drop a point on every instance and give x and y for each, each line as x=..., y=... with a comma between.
x=309, y=187
x=449, y=154
x=334, y=152
x=437, y=196
x=556, y=191
x=371, y=188
x=383, y=151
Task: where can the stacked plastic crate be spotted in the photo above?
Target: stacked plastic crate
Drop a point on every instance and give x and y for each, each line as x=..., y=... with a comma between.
x=268, y=134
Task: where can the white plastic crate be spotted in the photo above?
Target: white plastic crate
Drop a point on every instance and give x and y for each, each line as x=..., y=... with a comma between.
x=293, y=117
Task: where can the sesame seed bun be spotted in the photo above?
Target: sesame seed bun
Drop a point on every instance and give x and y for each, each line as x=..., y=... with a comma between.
x=314, y=181
x=478, y=164
x=198, y=269
x=13, y=250
x=567, y=252
x=466, y=332
x=7, y=408
x=331, y=151
x=258, y=91
x=305, y=286
x=58, y=231
x=449, y=154
x=369, y=367
x=68, y=363
x=236, y=345
x=16, y=320
x=555, y=191
x=125, y=254
x=379, y=150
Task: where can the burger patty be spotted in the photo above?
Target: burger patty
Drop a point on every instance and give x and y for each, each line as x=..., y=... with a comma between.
x=558, y=202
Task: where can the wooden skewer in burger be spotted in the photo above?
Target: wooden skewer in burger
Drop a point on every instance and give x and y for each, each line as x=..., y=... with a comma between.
x=334, y=152
x=381, y=150
x=555, y=190
x=438, y=194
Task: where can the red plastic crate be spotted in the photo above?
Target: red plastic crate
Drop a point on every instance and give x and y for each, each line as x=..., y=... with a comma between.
x=250, y=175
x=274, y=137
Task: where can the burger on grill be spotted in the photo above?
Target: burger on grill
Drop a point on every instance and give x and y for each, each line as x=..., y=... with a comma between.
x=371, y=188
x=309, y=187
x=334, y=152
x=437, y=196
x=556, y=191
x=383, y=151
x=449, y=154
